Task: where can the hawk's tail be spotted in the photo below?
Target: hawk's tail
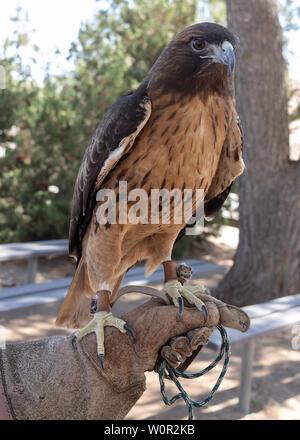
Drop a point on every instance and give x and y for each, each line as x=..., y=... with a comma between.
x=75, y=311
x=116, y=288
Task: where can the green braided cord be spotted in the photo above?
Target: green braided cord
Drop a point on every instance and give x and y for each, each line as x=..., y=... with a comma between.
x=173, y=373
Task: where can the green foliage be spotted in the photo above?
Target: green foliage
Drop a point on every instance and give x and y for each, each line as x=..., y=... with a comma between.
x=37, y=139
x=217, y=11
x=289, y=14
x=40, y=153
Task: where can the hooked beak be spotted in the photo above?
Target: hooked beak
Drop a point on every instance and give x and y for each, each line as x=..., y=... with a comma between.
x=227, y=56
x=223, y=54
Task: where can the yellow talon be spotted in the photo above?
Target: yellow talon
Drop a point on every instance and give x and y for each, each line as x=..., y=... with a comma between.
x=97, y=324
x=176, y=291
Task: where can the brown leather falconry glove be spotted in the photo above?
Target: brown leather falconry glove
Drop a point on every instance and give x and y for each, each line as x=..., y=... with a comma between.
x=54, y=378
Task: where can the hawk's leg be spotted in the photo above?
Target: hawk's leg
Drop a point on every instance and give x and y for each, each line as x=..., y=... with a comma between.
x=102, y=318
x=176, y=292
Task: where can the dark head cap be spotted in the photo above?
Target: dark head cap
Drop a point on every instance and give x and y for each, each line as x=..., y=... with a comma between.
x=201, y=57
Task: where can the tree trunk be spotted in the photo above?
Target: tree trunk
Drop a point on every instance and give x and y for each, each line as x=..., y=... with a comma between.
x=267, y=261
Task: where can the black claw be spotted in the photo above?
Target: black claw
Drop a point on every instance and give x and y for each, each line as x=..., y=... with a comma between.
x=93, y=306
x=73, y=340
x=101, y=357
x=180, y=302
x=132, y=333
x=204, y=310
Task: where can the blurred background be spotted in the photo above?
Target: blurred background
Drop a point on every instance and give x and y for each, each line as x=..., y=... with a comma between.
x=63, y=63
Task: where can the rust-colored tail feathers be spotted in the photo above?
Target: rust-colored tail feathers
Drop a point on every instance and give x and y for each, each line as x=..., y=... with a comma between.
x=116, y=288
x=75, y=311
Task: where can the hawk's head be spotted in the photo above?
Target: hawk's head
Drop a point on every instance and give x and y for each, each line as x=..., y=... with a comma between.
x=199, y=59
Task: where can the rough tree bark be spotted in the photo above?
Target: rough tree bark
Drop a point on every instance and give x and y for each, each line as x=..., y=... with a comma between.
x=267, y=261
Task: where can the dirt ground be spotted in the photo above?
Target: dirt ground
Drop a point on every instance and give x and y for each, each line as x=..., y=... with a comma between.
x=276, y=369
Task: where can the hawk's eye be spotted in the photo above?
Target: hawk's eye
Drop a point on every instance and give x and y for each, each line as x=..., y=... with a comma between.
x=198, y=44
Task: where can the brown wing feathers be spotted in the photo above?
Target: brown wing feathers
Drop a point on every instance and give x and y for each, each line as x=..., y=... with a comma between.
x=124, y=118
x=230, y=166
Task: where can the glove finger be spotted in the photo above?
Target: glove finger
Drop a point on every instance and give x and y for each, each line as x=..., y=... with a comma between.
x=171, y=356
x=199, y=336
x=181, y=345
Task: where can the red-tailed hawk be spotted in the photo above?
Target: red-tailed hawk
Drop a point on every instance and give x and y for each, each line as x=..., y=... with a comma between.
x=178, y=129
